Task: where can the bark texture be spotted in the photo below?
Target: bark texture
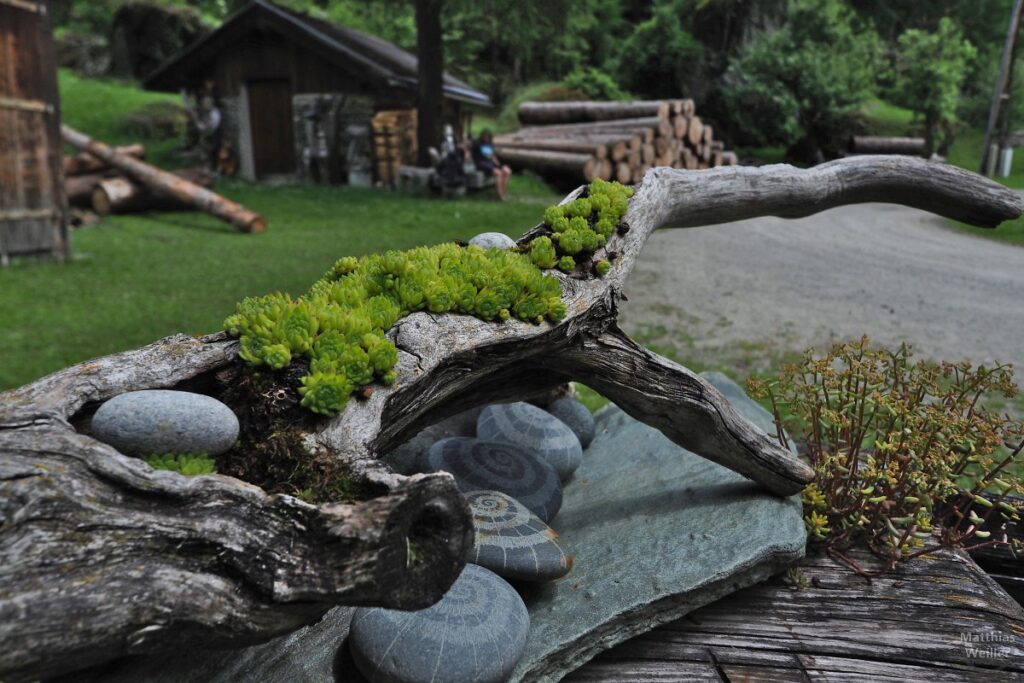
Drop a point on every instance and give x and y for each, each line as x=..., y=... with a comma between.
x=102, y=556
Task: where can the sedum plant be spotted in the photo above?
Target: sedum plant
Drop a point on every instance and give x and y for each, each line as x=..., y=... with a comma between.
x=908, y=458
x=183, y=463
x=580, y=227
x=339, y=326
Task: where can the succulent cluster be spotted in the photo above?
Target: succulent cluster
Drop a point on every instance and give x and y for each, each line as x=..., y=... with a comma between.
x=909, y=457
x=183, y=463
x=580, y=227
x=339, y=325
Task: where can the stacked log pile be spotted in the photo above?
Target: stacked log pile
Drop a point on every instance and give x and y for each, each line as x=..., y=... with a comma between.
x=116, y=180
x=394, y=142
x=92, y=183
x=611, y=140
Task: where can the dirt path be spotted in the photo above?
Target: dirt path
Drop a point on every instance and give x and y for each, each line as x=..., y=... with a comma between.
x=744, y=294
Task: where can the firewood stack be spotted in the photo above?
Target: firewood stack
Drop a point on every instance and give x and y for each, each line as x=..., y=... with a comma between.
x=394, y=142
x=611, y=140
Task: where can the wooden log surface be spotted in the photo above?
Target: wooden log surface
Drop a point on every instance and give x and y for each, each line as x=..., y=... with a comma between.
x=543, y=161
x=915, y=624
x=79, y=188
x=647, y=123
x=868, y=144
x=272, y=567
x=541, y=113
x=84, y=163
x=694, y=131
x=576, y=146
x=166, y=183
x=123, y=195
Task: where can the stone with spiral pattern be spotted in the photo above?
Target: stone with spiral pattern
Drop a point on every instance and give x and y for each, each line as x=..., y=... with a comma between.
x=532, y=429
x=476, y=633
x=513, y=542
x=481, y=466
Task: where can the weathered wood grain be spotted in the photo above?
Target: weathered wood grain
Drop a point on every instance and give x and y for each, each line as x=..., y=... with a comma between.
x=284, y=562
x=100, y=555
x=907, y=626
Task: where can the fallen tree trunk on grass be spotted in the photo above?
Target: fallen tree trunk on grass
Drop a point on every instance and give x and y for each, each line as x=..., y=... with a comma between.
x=868, y=144
x=84, y=163
x=123, y=195
x=86, y=531
x=162, y=182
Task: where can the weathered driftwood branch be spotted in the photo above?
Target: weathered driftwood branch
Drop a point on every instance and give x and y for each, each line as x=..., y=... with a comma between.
x=101, y=556
x=86, y=530
x=162, y=182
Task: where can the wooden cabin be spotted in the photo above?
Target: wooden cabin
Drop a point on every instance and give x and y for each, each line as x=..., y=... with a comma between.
x=298, y=94
x=33, y=215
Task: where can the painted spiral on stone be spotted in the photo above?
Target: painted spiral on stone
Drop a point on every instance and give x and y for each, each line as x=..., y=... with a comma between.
x=512, y=541
x=483, y=466
x=476, y=632
x=532, y=429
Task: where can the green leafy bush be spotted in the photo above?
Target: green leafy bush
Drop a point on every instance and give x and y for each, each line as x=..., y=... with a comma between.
x=594, y=84
x=660, y=58
x=183, y=463
x=902, y=451
x=930, y=70
x=801, y=85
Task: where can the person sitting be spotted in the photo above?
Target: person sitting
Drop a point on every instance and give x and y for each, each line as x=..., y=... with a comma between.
x=487, y=162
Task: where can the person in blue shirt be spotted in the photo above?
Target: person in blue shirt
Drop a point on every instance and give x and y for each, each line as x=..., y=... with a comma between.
x=482, y=151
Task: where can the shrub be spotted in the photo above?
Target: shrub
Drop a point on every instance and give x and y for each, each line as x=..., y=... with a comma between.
x=594, y=84
x=930, y=70
x=660, y=57
x=801, y=86
x=903, y=451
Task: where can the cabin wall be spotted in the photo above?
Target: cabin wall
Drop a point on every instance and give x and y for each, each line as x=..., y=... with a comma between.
x=32, y=204
x=328, y=104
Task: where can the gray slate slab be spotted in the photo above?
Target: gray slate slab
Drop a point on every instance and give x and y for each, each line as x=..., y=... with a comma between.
x=657, y=532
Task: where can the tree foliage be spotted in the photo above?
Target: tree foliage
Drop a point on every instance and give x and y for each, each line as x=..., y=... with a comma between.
x=799, y=86
x=930, y=70
x=660, y=58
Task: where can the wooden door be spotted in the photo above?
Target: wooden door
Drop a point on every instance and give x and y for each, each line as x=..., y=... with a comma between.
x=32, y=213
x=270, y=123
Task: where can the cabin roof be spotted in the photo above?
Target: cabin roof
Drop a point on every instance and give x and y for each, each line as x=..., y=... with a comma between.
x=344, y=47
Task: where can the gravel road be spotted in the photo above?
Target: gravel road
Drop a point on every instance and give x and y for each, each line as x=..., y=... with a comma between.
x=743, y=294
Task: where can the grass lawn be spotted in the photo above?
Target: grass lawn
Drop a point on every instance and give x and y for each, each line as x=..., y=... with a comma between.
x=887, y=119
x=99, y=108
x=134, y=279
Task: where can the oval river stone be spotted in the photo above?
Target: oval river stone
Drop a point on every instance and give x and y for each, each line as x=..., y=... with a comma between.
x=476, y=633
x=534, y=430
x=158, y=421
x=493, y=240
x=576, y=417
x=513, y=542
x=480, y=466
